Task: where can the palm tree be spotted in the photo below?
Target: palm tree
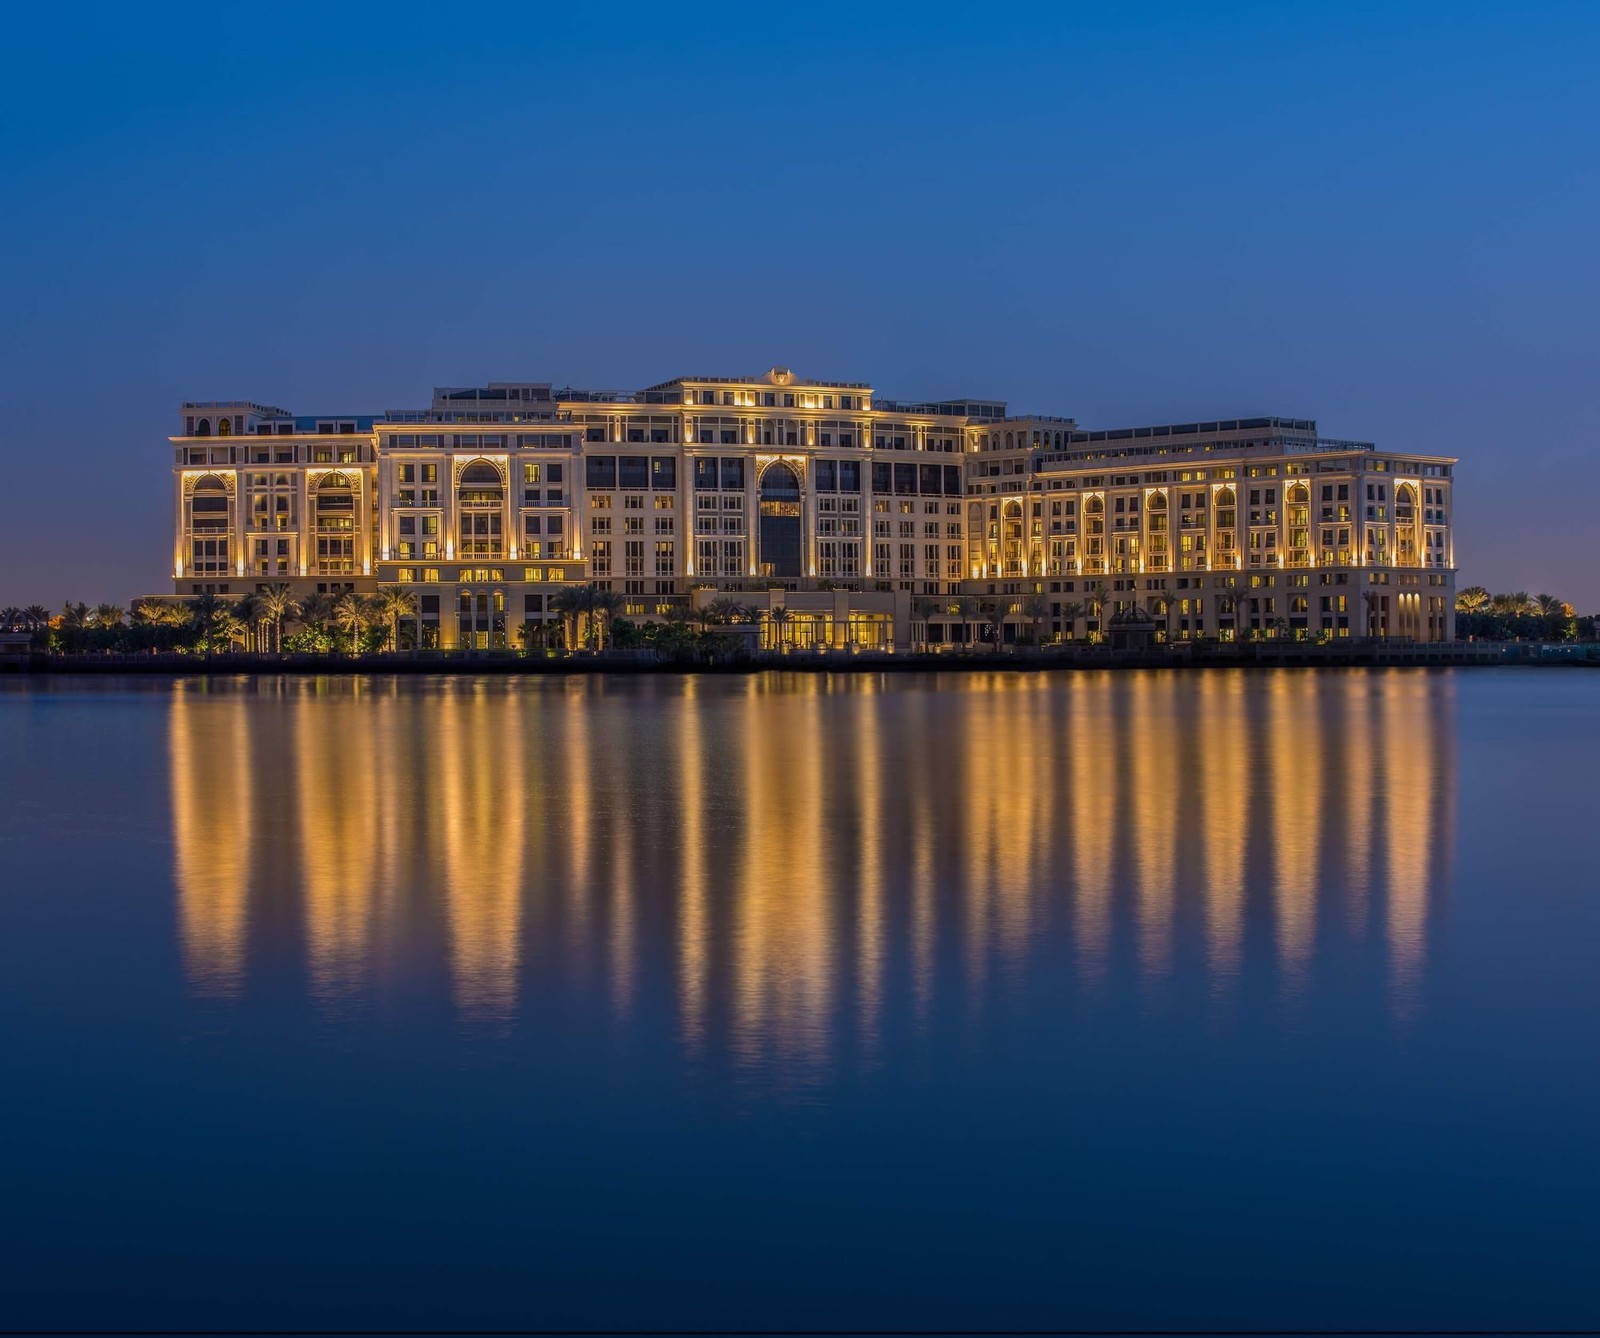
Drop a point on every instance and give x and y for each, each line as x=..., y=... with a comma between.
x=149, y=615
x=248, y=612
x=1098, y=598
x=202, y=615
x=1034, y=607
x=1160, y=607
x=569, y=604
x=353, y=614
x=316, y=613
x=1234, y=597
x=108, y=615
x=1070, y=613
x=1474, y=599
x=70, y=625
x=535, y=634
x=11, y=619
x=996, y=610
x=607, y=606
x=781, y=619
x=394, y=603
x=227, y=626
x=1547, y=605
x=722, y=609
x=276, y=604
x=36, y=616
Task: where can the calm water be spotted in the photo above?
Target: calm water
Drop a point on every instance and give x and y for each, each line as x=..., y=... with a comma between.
x=1138, y=1000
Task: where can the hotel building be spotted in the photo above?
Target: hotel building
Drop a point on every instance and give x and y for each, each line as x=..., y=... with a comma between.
x=873, y=522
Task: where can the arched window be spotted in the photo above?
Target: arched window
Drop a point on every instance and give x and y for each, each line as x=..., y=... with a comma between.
x=481, y=485
x=779, y=483
x=210, y=495
x=1405, y=504
x=1298, y=494
x=335, y=493
x=224, y=427
x=779, y=521
x=203, y=428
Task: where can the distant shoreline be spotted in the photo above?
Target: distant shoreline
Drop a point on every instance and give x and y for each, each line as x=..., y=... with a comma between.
x=1254, y=655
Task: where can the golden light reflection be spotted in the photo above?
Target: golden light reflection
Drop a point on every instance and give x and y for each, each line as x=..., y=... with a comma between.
x=694, y=897
x=783, y=940
x=1294, y=770
x=790, y=867
x=336, y=803
x=1225, y=794
x=871, y=816
x=1360, y=797
x=1410, y=768
x=1155, y=781
x=569, y=720
x=1092, y=805
x=1007, y=813
x=479, y=859
x=924, y=904
x=213, y=828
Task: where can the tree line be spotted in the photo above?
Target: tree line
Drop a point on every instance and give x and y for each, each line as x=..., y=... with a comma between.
x=590, y=617
x=273, y=621
x=270, y=620
x=1518, y=616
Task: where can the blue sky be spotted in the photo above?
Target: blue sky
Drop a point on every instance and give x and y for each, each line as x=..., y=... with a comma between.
x=1379, y=216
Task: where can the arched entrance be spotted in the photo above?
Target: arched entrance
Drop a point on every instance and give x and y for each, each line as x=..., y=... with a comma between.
x=779, y=535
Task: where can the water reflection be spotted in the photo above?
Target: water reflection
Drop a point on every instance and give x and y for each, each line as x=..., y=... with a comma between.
x=333, y=791
x=785, y=867
x=214, y=816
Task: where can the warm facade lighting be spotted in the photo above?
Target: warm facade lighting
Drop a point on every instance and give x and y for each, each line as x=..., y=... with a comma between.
x=904, y=509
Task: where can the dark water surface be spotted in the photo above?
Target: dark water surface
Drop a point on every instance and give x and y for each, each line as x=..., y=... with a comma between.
x=1039, y=1000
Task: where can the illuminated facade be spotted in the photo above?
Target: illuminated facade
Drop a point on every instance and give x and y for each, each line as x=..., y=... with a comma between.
x=871, y=522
